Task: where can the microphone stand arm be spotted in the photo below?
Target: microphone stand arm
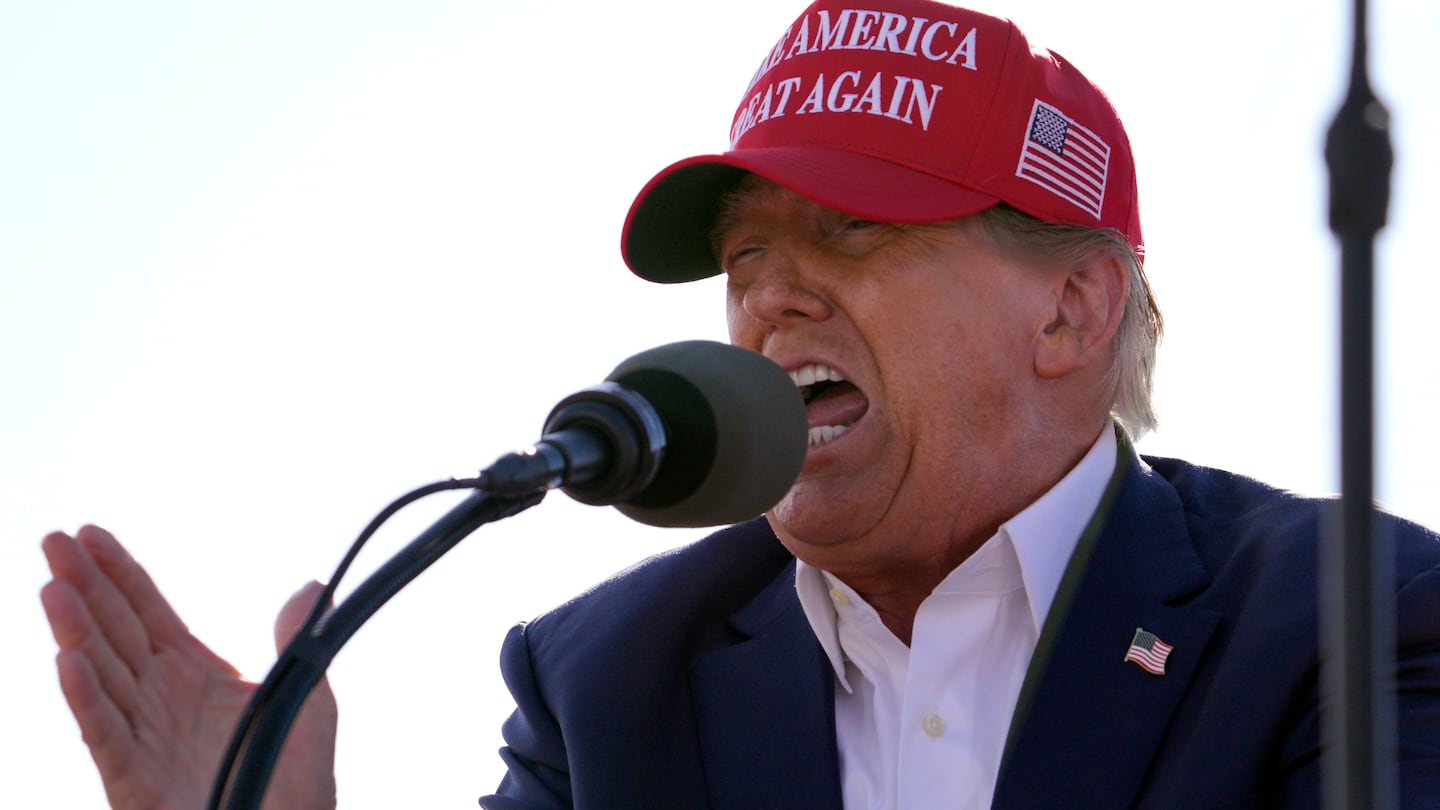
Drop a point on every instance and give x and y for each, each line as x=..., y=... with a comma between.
x=304, y=661
x=1357, y=619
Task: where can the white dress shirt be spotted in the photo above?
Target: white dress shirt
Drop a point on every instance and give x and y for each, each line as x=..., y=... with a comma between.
x=924, y=726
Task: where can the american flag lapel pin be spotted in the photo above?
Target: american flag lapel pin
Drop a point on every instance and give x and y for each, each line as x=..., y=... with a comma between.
x=1148, y=651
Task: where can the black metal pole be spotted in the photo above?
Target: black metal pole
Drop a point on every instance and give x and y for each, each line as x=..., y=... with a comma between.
x=1357, y=619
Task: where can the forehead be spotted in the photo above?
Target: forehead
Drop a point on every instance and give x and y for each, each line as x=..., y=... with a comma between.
x=755, y=194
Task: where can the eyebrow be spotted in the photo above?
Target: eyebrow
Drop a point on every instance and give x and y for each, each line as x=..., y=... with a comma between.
x=729, y=210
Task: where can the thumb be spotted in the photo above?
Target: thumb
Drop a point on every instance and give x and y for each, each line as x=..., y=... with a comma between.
x=294, y=613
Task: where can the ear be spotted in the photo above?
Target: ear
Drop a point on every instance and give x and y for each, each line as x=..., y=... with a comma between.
x=1089, y=303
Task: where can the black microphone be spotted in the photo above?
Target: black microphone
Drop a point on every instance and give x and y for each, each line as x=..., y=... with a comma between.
x=689, y=434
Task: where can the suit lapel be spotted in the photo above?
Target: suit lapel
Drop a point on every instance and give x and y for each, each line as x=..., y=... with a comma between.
x=1091, y=722
x=765, y=710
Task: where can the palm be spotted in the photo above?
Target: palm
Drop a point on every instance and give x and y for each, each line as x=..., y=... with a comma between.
x=154, y=704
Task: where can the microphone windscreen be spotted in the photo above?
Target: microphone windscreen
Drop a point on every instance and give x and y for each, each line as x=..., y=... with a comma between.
x=737, y=433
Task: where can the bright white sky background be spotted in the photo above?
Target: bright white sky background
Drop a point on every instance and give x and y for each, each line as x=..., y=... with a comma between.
x=266, y=266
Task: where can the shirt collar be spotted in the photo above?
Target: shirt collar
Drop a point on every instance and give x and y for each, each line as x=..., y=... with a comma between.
x=1045, y=533
x=816, y=598
x=1043, y=536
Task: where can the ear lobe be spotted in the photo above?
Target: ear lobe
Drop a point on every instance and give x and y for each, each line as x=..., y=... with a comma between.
x=1089, y=304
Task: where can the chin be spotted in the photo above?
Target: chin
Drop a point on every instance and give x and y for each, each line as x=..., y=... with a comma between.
x=806, y=517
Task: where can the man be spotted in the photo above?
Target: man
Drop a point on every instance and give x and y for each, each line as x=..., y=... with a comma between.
x=983, y=595
x=976, y=593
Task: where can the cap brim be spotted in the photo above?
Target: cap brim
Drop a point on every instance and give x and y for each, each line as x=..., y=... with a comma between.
x=667, y=232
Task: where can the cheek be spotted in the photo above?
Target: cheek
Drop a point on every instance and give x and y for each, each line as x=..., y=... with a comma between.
x=950, y=357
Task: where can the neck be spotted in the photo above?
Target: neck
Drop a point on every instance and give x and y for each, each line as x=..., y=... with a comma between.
x=896, y=583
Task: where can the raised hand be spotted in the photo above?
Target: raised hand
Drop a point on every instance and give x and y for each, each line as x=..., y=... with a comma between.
x=154, y=704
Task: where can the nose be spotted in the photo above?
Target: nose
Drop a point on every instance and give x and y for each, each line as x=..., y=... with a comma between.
x=784, y=290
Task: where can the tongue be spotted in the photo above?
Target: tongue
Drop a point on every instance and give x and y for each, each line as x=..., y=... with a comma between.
x=840, y=404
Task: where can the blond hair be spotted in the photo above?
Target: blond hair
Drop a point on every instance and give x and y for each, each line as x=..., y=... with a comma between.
x=1132, y=369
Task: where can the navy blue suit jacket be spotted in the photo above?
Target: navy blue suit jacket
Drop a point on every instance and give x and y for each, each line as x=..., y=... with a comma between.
x=694, y=680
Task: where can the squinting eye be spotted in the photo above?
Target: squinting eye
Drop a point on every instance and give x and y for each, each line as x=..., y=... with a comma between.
x=741, y=254
x=856, y=225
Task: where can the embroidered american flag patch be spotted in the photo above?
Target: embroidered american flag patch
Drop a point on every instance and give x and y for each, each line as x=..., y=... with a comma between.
x=1065, y=158
x=1149, y=652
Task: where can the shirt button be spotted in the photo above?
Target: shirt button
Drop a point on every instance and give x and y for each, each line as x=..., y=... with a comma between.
x=932, y=724
x=839, y=598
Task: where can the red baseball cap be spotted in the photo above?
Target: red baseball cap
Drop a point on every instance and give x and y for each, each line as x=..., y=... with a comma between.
x=906, y=111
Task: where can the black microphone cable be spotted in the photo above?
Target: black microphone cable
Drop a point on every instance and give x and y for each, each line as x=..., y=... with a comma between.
x=294, y=649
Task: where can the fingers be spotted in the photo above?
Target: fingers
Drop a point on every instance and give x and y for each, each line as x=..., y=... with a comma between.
x=307, y=762
x=104, y=728
x=160, y=621
x=110, y=612
x=104, y=606
x=75, y=631
x=72, y=602
x=294, y=613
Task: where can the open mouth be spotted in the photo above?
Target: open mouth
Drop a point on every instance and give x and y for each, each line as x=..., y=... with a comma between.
x=832, y=402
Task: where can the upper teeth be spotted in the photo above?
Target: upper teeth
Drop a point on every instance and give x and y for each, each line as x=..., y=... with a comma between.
x=812, y=373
